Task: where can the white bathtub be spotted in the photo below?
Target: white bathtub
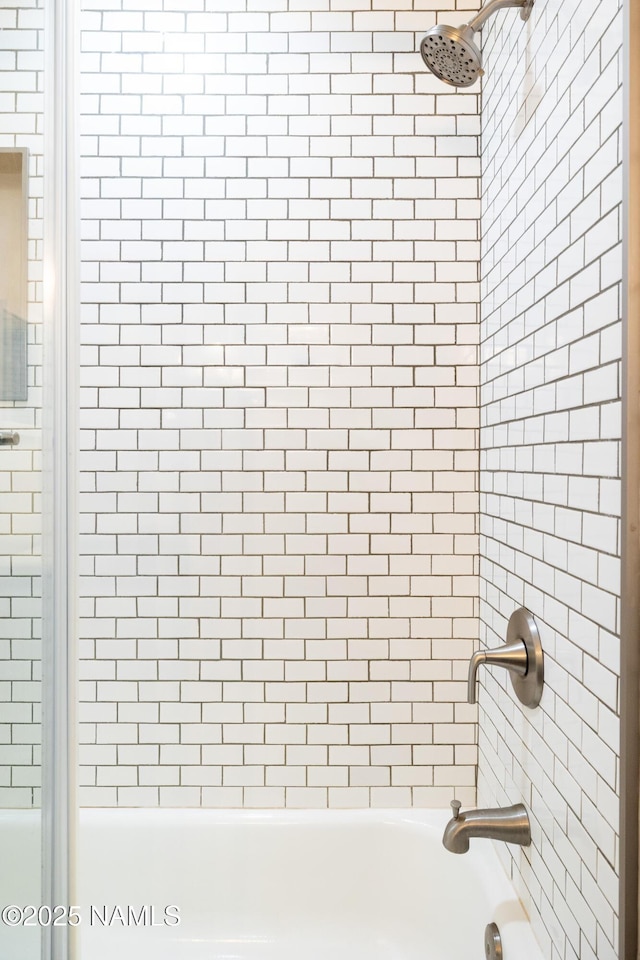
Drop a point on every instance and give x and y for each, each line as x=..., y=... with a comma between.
x=286, y=885
x=20, y=873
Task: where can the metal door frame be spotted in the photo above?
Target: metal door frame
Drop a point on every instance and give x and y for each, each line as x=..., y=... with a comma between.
x=630, y=585
x=60, y=503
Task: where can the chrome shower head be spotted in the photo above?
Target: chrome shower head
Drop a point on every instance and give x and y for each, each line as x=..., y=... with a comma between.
x=451, y=55
x=450, y=52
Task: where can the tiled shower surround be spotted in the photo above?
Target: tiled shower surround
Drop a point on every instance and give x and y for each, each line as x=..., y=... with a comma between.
x=550, y=467
x=280, y=410
x=280, y=413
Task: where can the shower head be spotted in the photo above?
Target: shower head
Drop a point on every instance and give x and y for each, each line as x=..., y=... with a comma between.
x=450, y=52
x=451, y=55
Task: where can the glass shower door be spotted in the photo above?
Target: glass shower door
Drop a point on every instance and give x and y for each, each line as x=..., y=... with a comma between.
x=37, y=371
x=20, y=688
x=21, y=314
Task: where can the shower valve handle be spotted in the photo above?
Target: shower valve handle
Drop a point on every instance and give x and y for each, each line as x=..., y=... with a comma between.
x=513, y=656
x=522, y=656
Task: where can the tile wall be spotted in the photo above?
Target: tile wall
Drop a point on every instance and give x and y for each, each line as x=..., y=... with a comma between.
x=550, y=461
x=279, y=508
x=21, y=66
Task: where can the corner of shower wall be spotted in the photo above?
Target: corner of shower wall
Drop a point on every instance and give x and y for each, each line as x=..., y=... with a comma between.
x=550, y=453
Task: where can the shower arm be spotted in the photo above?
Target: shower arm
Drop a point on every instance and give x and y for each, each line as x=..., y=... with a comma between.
x=493, y=6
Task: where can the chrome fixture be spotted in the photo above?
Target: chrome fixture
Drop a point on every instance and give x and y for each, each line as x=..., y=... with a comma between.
x=510, y=824
x=521, y=655
x=450, y=52
x=9, y=439
x=492, y=942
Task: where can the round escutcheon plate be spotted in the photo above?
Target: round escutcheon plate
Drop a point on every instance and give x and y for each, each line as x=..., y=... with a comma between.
x=523, y=627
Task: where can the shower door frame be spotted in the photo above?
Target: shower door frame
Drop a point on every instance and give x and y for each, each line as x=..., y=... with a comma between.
x=630, y=550
x=60, y=504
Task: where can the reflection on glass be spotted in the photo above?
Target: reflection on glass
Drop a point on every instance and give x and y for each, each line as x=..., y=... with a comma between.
x=13, y=275
x=20, y=520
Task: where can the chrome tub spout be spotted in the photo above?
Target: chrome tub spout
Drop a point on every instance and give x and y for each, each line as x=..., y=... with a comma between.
x=510, y=824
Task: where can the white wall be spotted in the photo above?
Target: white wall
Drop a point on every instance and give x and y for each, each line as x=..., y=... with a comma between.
x=550, y=467
x=21, y=44
x=280, y=263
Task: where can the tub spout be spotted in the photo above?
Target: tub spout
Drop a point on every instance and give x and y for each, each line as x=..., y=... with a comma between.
x=510, y=824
